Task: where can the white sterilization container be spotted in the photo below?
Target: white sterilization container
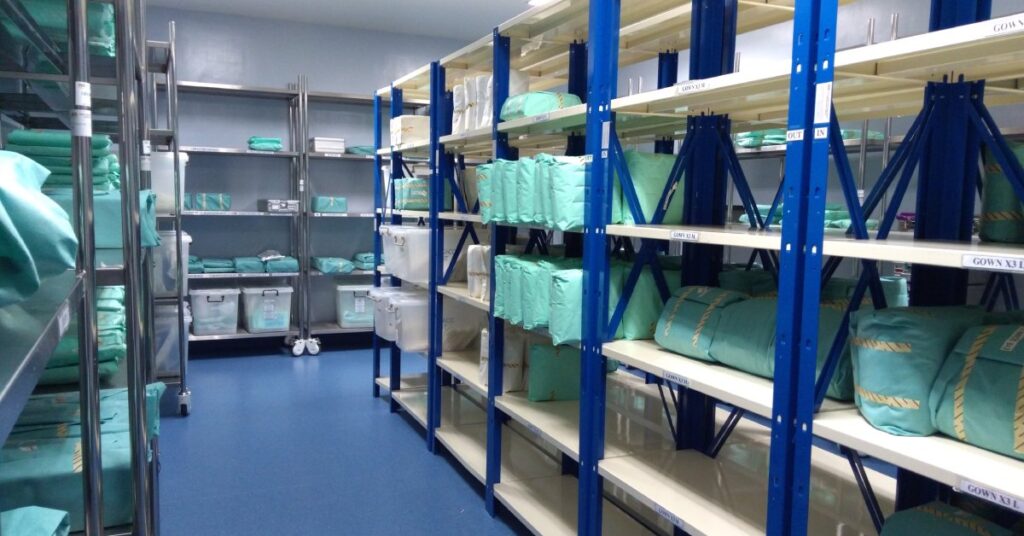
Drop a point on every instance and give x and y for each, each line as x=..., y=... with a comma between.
x=355, y=310
x=165, y=325
x=165, y=269
x=267, y=309
x=163, y=179
x=411, y=314
x=214, y=311
x=384, y=324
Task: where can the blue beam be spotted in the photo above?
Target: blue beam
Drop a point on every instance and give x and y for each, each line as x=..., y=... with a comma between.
x=576, y=145
x=436, y=189
x=807, y=162
x=397, y=168
x=378, y=202
x=668, y=75
x=602, y=88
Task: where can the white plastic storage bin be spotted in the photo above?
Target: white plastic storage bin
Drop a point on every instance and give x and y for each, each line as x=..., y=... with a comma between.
x=411, y=314
x=407, y=250
x=267, y=309
x=165, y=324
x=384, y=324
x=214, y=311
x=163, y=180
x=164, y=267
x=355, y=310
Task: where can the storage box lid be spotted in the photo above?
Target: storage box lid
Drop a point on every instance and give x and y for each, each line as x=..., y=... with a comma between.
x=212, y=291
x=266, y=290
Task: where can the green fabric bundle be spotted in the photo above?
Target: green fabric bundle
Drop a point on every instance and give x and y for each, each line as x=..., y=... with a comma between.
x=208, y=202
x=364, y=261
x=111, y=324
x=484, y=184
x=536, y=103
x=897, y=354
x=329, y=204
x=526, y=182
x=249, y=265
x=52, y=18
x=365, y=150
x=53, y=138
x=412, y=194
x=107, y=223
x=333, y=265
x=212, y=265
x=554, y=373
x=35, y=521
x=38, y=240
x=34, y=151
x=939, y=519
x=650, y=173
x=978, y=396
x=195, y=265
x=689, y=320
x=1002, y=213
x=257, y=143
x=565, y=322
x=568, y=180
x=536, y=289
x=755, y=282
x=286, y=265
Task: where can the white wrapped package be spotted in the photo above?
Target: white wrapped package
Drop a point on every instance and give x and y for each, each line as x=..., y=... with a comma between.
x=518, y=83
x=451, y=241
x=486, y=97
x=478, y=271
x=512, y=376
x=460, y=326
x=410, y=129
x=458, y=109
x=469, y=118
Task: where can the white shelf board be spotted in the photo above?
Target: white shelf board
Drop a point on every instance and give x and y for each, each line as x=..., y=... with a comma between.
x=460, y=293
x=407, y=383
x=460, y=216
x=558, y=422
x=243, y=334
x=465, y=366
x=244, y=276
x=727, y=495
x=406, y=213
x=550, y=505
x=332, y=328
x=731, y=386
x=341, y=214
x=420, y=148
x=937, y=457
x=353, y=273
x=520, y=459
x=472, y=140
x=730, y=235
x=320, y=155
x=231, y=151
x=236, y=213
x=414, y=402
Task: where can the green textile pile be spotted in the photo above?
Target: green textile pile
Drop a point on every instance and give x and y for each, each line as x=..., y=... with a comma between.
x=195, y=265
x=208, y=201
x=52, y=18
x=364, y=150
x=107, y=211
x=214, y=265
x=35, y=521
x=364, y=261
x=330, y=204
x=939, y=519
x=333, y=265
x=111, y=341
x=777, y=136
x=249, y=265
x=41, y=462
x=257, y=143
x=412, y=194
x=1002, y=213
x=52, y=150
x=553, y=373
x=536, y=103
x=284, y=265
x=37, y=240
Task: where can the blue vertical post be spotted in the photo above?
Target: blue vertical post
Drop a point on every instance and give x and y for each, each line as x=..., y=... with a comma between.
x=436, y=190
x=602, y=85
x=712, y=53
x=378, y=218
x=496, y=326
x=807, y=163
x=949, y=167
x=576, y=145
x=668, y=75
x=395, y=380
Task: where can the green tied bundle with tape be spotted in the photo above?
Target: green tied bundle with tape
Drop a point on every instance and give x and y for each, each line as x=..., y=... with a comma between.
x=484, y=183
x=649, y=172
x=209, y=201
x=1002, y=213
x=412, y=194
x=897, y=354
x=553, y=373
x=536, y=103
x=249, y=265
x=330, y=204
x=689, y=320
x=978, y=397
x=939, y=519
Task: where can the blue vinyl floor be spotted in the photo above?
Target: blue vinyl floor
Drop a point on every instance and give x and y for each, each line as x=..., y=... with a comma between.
x=280, y=446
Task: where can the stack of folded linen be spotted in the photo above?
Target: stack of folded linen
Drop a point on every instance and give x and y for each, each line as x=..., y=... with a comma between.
x=257, y=143
x=111, y=341
x=52, y=149
x=218, y=266
x=51, y=16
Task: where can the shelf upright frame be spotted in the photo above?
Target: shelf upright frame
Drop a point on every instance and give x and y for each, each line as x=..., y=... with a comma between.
x=807, y=161
x=502, y=48
x=378, y=217
x=602, y=81
x=88, y=370
x=436, y=271
x=396, y=172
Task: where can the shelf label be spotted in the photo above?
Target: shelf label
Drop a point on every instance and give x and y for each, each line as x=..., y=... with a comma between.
x=83, y=94
x=1007, y=26
x=998, y=497
x=147, y=147
x=669, y=516
x=63, y=320
x=687, y=87
x=145, y=163
x=993, y=262
x=795, y=135
x=542, y=118
x=685, y=236
x=366, y=215
x=81, y=123
x=333, y=155
x=823, y=103
x=676, y=378
x=533, y=428
x=821, y=133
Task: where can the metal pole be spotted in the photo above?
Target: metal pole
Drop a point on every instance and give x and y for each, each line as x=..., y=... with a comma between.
x=130, y=176
x=88, y=368
x=378, y=218
x=184, y=394
x=436, y=190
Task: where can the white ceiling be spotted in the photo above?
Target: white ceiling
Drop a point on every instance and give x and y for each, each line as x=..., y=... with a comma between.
x=456, y=19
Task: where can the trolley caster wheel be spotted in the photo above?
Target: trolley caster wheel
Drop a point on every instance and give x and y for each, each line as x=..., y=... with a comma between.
x=313, y=346
x=298, y=347
x=184, y=410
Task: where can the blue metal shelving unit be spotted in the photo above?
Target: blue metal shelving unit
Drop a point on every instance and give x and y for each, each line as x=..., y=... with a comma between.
x=951, y=127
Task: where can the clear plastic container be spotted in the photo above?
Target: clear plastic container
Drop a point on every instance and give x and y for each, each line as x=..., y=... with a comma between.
x=267, y=309
x=214, y=311
x=163, y=179
x=411, y=314
x=165, y=269
x=385, y=324
x=355, y=310
x=165, y=325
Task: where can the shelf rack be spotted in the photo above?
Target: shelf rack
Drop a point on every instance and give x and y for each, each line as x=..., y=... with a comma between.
x=111, y=95
x=874, y=81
